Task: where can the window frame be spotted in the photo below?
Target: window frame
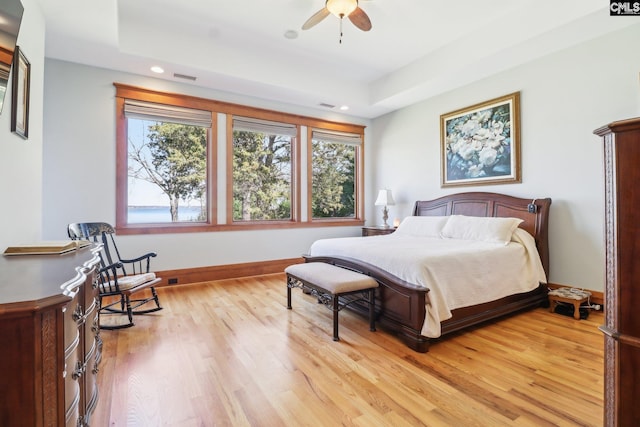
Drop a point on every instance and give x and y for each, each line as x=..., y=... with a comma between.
x=214, y=223
x=359, y=178
x=295, y=178
x=122, y=162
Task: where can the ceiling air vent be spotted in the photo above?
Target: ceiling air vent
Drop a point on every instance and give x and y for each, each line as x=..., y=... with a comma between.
x=324, y=104
x=184, y=76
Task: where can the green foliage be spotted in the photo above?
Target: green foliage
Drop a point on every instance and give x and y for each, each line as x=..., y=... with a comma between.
x=333, y=180
x=261, y=176
x=173, y=157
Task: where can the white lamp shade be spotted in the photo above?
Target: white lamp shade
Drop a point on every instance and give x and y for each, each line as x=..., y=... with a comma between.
x=341, y=8
x=385, y=198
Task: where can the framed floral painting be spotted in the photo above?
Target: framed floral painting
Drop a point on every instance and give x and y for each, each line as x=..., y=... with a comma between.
x=481, y=144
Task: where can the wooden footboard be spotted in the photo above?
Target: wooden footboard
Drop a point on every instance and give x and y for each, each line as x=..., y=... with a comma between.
x=400, y=304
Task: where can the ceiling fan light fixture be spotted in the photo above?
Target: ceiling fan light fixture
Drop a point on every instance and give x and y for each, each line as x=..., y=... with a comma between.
x=341, y=8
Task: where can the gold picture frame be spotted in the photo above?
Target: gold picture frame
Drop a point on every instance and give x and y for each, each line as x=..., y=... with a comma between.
x=20, y=94
x=480, y=144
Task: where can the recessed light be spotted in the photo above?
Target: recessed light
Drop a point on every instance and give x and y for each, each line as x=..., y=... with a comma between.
x=157, y=69
x=291, y=34
x=344, y=107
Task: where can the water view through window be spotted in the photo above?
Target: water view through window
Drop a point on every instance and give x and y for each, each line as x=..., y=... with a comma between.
x=166, y=172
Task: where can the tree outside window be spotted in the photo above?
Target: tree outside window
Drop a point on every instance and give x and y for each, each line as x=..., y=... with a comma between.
x=333, y=166
x=167, y=172
x=261, y=176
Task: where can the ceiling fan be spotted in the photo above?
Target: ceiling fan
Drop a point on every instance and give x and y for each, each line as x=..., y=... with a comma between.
x=341, y=8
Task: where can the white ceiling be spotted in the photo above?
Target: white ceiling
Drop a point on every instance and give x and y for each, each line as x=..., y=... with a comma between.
x=415, y=50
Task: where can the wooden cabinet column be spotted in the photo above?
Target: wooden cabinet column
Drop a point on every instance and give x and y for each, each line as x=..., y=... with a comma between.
x=622, y=281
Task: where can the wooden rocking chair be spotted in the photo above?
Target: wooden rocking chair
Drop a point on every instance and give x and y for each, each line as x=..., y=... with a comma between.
x=118, y=278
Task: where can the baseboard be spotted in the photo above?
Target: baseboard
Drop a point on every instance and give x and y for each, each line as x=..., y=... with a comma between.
x=596, y=296
x=220, y=272
x=232, y=271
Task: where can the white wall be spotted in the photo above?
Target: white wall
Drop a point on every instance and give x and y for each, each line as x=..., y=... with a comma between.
x=79, y=171
x=20, y=159
x=564, y=97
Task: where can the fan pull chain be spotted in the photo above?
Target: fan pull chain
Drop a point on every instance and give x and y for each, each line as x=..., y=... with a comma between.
x=341, y=16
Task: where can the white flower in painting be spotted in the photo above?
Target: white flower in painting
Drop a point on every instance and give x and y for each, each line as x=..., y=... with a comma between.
x=482, y=133
x=483, y=116
x=488, y=156
x=470, y=127
x=494, y=141
x=466, y=151
x=498, y=127
x=454, y=143
x=475, y=171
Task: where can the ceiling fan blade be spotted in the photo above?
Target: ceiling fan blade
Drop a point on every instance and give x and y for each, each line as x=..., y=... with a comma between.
x=360, y=19
x=316, y=18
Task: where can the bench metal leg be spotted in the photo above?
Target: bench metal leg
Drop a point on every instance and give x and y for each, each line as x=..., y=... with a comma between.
x=372, y=307
x=288, y=292
x=335, y=309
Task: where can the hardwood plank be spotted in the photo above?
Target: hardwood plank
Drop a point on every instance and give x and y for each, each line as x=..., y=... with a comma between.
x=229, y=353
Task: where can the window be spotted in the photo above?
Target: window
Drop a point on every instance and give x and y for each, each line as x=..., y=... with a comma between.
x=166, y=163
x=262, y=169
x=334, y=175
x=168, y=175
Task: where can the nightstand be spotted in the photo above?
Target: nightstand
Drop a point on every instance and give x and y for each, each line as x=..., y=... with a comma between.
x=377, y=231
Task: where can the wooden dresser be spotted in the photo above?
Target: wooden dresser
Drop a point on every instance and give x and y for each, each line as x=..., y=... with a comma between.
x=622, y=282
x=51, y=345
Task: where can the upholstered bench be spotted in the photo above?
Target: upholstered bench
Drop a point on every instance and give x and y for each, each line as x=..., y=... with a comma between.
x=328, y=283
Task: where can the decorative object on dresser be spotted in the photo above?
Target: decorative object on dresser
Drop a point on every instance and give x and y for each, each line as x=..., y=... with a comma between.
x=51, y=347
x=119, y=278
x=385, y=198
x=622, y=272
x=480, y=144
x=376, y=230
x=403, y=305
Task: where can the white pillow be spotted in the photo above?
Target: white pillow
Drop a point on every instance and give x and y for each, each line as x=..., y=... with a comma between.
x=422, y=226
x=487, y=229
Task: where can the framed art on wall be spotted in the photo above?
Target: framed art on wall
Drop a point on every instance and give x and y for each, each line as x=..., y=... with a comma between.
x=480, y=144
x=20, y=94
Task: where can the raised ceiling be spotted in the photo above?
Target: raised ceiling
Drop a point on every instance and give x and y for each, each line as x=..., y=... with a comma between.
x=416, y=49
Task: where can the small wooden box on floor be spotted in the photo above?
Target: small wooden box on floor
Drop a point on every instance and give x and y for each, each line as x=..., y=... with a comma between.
x=575, y=297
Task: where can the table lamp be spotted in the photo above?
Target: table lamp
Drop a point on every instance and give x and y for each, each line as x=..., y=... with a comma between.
x=385, y=199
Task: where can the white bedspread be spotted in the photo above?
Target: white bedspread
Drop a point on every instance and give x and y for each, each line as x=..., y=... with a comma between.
x=458, y=273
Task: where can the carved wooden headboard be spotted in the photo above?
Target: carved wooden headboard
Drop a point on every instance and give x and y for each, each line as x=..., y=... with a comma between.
x=533, y=212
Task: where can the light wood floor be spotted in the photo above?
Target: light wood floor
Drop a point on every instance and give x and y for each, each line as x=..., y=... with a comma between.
x=229, y=353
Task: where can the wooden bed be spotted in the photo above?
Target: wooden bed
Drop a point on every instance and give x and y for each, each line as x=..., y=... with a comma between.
x=401, y=305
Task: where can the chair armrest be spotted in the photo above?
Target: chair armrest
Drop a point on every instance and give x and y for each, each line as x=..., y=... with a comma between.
x=111, y=267
x=138, y=264
x=140, y=258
